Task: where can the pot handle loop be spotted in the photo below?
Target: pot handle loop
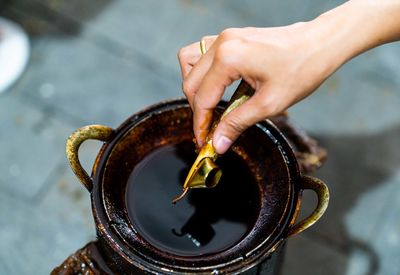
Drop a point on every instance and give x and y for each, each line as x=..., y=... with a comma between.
x=322, y=192
x=75, y=140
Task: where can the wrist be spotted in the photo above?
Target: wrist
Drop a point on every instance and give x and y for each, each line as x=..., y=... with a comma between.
x=355, y=27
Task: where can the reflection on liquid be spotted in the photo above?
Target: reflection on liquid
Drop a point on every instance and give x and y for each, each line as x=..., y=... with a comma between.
x=198, y=229
x=207, y=220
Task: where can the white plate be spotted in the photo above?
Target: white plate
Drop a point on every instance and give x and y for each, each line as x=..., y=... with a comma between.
x=14, y=52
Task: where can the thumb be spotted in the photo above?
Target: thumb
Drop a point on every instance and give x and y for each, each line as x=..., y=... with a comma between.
x=237, y=121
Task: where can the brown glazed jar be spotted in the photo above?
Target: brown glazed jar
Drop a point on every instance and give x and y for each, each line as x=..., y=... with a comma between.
x=263, y=147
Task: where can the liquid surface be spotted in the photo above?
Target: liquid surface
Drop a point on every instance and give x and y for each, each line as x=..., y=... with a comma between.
x=206, y=221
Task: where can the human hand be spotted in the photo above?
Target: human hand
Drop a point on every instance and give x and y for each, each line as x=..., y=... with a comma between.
x=279, y=63
x=283, y=65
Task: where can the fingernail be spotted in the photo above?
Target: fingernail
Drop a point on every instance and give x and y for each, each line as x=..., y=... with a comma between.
x=222, y=144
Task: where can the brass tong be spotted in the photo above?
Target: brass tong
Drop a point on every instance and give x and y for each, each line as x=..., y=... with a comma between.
x=204, y=173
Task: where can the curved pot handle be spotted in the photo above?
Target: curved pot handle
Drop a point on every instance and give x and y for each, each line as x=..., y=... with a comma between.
x=322, y=192
x=75, y=140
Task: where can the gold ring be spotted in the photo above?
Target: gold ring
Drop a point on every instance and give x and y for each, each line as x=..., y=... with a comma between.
x=203, y=46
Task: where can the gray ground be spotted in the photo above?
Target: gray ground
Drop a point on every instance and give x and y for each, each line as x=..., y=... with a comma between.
x=100, y=61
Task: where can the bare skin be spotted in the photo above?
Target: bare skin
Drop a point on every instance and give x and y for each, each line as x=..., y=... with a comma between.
x=283, y=64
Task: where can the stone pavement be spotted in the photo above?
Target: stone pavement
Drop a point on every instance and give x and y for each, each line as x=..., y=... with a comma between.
x=100, y=61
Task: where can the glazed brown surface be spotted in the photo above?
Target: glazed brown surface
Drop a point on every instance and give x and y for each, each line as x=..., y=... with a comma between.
x=264, y=151
x=262, y=148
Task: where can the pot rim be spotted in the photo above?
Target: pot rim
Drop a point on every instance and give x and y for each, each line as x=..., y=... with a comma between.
x=110, y=231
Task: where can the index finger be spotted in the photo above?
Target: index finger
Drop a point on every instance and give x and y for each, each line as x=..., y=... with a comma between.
x=193, y=73
x=220, y=75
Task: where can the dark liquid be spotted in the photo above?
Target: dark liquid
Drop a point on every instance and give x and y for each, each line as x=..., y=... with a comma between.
x=207, y=220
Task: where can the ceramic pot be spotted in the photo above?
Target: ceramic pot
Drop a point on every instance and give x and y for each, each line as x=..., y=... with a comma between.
x=264, y=149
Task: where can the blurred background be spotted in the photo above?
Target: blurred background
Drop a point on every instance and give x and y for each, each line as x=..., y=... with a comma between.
x=100, y=61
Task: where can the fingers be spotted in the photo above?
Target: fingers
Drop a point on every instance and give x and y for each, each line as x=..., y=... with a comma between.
x=204, y=101
x=206, y=77
x=192, y=81
x=194, y=66
x=236, y=122
x=189, y=55
x=221, y=74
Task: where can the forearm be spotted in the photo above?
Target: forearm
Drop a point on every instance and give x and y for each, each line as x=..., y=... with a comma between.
x=355, y=27
x=283, y=64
